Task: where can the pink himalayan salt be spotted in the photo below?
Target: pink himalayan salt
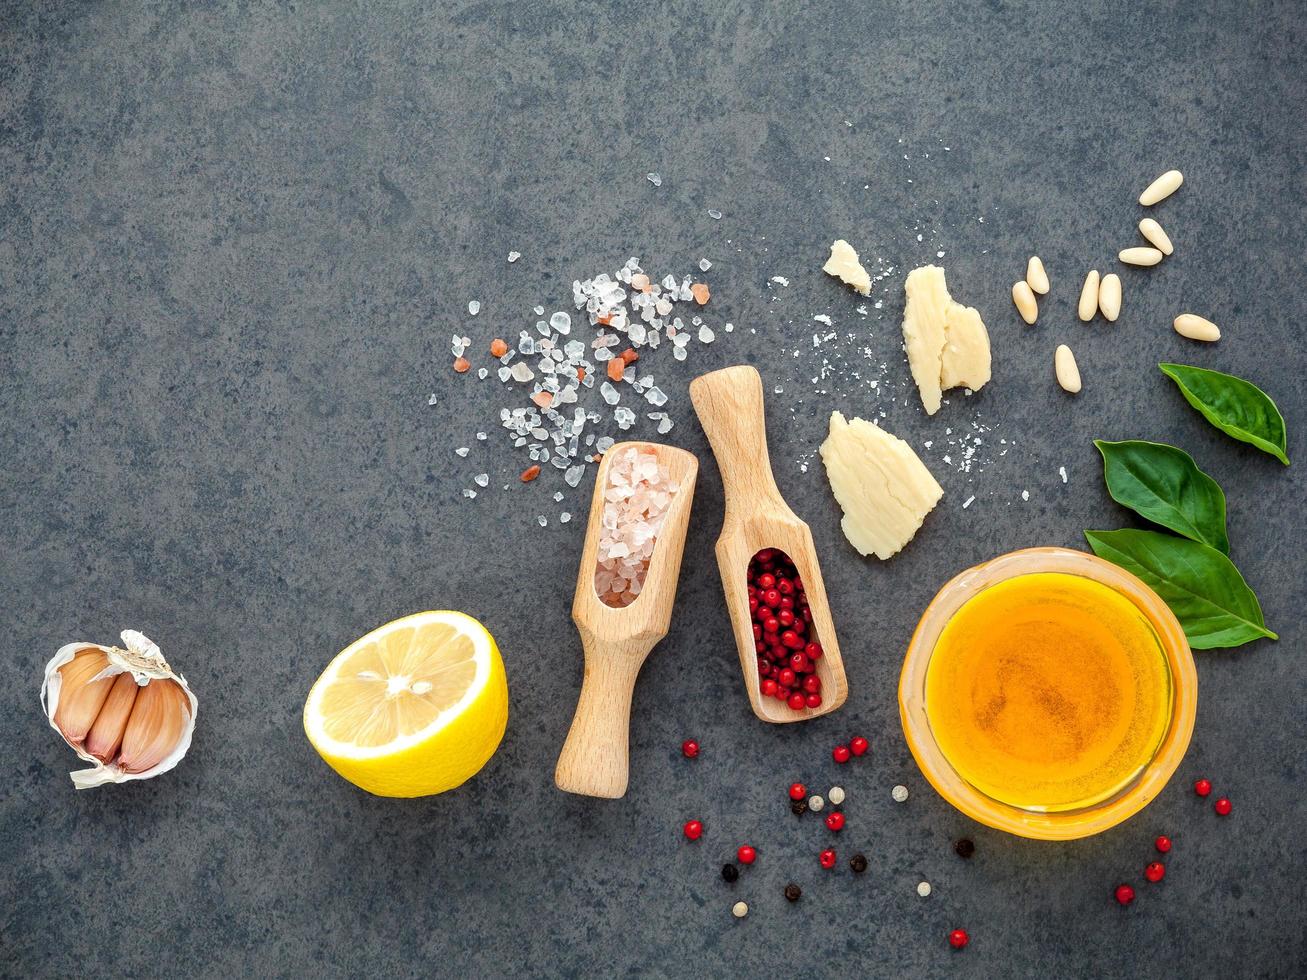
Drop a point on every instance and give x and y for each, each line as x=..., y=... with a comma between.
x=636, y=500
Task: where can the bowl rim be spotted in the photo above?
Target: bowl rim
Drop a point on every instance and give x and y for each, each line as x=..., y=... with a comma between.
x=1058, y=825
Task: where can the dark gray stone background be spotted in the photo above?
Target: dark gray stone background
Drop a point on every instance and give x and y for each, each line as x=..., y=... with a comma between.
x=234, y=242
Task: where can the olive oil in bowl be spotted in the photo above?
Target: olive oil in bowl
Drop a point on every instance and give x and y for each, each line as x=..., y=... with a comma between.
x=1049, y=691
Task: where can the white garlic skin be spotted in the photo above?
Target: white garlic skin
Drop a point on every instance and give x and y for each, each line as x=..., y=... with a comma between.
x=143, y=659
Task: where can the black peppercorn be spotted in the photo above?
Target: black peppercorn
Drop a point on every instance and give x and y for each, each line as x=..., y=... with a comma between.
x=730, y=872
x=964, y=847
x=793, y=891
x=858, y=863
x=798, y=807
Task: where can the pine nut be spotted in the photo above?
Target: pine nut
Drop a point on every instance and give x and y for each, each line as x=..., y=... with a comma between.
x=1025, y=300
x=1089, y=296
x=1162, y=188
x=1141, y=255
x=1151, y=230
x=1036, y=277
x=1197, y=328
x=1064, y=363
x=1109, y=296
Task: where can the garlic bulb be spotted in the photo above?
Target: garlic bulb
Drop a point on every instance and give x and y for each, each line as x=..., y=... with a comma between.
x=125, y=711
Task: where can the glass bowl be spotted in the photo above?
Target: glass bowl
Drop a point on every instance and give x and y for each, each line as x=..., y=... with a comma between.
x=1063, y=824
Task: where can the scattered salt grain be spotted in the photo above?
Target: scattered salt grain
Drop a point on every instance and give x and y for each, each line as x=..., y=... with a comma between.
x=432, y=399
x=1061, y=471
x=482, y=374
x=564, y=517
x=462, y=451
x=654, y=179
x=1025, y=494
x=562, y=322
x=482, y=479
x=469, y=494
x=520, y=372
x=714, y=214
x=899, y=793
x=968, y=502
x=704, y=265
x=706, y=336
x=474, y=308
x=514, y=256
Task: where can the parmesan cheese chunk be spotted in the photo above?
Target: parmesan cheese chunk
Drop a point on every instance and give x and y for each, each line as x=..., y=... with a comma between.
x=843, y=264
x=884, y=490
x=947, y=343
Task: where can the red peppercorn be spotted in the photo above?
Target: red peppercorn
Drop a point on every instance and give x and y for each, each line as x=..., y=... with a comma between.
x=785, y=617
x=766, y=581
x=784, y=586
x=768, y=688
x=791, y=639
x=693, y=829
x=798, y=791
x=1163, y=845
x=812, y=684
x=827, y=858
x=753, y=604
x=746, y=855
x=813, y=650
x=840, y=753
x=787, y=677
x=1155, y=871
x=835, y=820
x=771, y=597
x=1222, y=806
x=1203, y=787
x=797, y=701
x=958, y=938
x=690, y=748
x=859, y=745
x=799, y=663
x=812, y=700
x=771, y=624
x=1125, y=894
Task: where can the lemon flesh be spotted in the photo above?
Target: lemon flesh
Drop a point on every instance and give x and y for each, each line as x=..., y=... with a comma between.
x=414, y=708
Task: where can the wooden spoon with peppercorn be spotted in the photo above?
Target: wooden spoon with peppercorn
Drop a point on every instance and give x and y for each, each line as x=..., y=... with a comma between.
x=761, y=537
x=621, y=623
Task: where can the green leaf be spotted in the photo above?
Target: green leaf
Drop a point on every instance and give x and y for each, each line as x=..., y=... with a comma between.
x=1201, y=585
x=1164, y=485
x=1235, y=406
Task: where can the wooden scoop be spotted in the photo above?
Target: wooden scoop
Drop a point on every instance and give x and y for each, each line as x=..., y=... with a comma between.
x=595, y=759
x=729, y=403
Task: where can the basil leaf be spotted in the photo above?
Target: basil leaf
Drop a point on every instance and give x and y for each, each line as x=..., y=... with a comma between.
x=1235, y=406
x=1201, y=585
x=1164, y=485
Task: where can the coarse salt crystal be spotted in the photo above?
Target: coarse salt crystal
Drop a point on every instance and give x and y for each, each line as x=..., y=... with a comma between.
x=473, y=308
x=514, y=256
x=462, y=451
x=654, y=179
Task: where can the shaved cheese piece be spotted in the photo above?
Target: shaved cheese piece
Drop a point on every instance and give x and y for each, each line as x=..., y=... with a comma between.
x=965, y=361
x=843, y=264
x=884, y=490
x=946, y=342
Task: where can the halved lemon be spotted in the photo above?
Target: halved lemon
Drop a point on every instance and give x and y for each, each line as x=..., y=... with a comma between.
x=414, y=708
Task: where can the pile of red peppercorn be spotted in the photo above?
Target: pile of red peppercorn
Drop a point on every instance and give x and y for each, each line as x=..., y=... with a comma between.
x=1155, y=871
x=787, y=646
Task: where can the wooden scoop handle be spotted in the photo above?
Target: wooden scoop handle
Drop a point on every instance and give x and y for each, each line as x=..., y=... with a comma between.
x=729, y=405
x=595, y=760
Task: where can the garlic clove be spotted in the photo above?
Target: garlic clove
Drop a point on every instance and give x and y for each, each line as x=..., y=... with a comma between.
x=83, y=693
x=107, y=733
x=155, y=727
x=101, y=728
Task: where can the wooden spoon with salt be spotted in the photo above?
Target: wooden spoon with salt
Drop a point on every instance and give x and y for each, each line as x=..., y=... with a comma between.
x=730, y=408
x=595, y=759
